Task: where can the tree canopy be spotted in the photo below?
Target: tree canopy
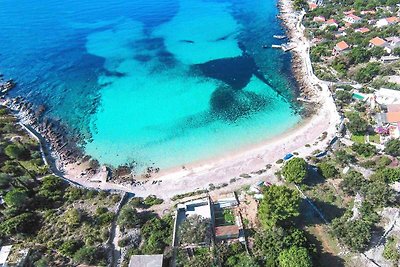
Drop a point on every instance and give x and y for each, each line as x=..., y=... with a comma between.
x=295, y=170
x=17, y=198
x=279, y=204
x=356, y=125
x=295, y=257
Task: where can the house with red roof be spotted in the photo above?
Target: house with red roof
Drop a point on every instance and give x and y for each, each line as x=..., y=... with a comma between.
x=332, y=22
x=377, y=42
x=340, y=48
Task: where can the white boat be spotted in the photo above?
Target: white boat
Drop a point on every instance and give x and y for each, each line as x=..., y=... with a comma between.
x=279, y=37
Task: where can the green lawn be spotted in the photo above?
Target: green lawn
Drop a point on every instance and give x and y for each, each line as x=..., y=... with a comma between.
x=358, y=138
x=229, y=217
x=375, y=138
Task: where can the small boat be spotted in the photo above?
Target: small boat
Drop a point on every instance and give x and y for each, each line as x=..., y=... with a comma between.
x=279, y=37
x=276, y=46
x=288, y=156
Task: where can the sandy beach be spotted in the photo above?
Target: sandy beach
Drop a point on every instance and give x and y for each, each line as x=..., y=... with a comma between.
x=303, y=139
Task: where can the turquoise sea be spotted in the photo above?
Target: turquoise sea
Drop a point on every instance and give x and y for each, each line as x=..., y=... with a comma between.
x=159, y=82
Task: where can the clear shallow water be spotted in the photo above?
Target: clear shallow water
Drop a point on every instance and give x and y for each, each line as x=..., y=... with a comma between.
x=165, y=81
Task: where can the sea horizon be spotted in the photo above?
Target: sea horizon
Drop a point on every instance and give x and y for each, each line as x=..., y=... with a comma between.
x=161, y=84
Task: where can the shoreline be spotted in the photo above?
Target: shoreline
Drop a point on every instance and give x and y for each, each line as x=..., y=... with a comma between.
x=251, y=159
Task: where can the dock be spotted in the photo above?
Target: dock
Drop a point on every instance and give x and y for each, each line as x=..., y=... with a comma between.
x=288, y=46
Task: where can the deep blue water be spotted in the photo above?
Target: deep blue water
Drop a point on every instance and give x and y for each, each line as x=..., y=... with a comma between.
x=160, y=81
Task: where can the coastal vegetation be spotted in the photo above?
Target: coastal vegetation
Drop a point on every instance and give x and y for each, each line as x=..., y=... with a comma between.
x=41, y=212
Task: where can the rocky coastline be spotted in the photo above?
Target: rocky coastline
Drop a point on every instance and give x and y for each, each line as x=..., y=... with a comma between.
x=290, y=18
x=62, y=150
x=61, y=146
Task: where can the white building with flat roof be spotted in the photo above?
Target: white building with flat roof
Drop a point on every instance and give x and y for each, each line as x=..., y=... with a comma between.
x=200, y=207
x=146, y=260
x=4, y=253
x=387, y=96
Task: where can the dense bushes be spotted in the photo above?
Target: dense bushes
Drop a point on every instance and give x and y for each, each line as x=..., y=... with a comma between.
x=355, y=232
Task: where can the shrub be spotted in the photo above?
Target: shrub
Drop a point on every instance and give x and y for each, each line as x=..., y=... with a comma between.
x=386, y=175
x=128, y=218
x=327, y=170
x=390, y=252
x=353, y=182
x=366, y=150
x=18, y=152
x=69, y=247
x=86, y=255
x=392, y=147
x=152, y=200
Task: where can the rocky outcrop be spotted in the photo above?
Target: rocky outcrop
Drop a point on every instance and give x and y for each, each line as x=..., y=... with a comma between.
x=63, y=146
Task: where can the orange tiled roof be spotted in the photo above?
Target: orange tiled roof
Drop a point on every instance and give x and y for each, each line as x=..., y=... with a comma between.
x=377, y=41
x=392, y=19
x=312, y=6
x=319, y=19
x=368, y=12
x=393, y=117
x=331, y=21
x=349, y=12
x=362, y=30
x=341, y=46
x=226, y=230
x=353, y=16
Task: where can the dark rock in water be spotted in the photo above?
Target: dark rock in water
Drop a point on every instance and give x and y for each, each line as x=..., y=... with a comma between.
x=166, y=58
x=223, y=37
x=41, y=109
x=149, y=43
x=235, y=71
x=143, y=58
x=229, y=104
x=114, y=73
x=187, y=41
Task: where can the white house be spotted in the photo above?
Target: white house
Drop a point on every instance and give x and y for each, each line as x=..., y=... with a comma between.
x=386, y=22
x=351, y=18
